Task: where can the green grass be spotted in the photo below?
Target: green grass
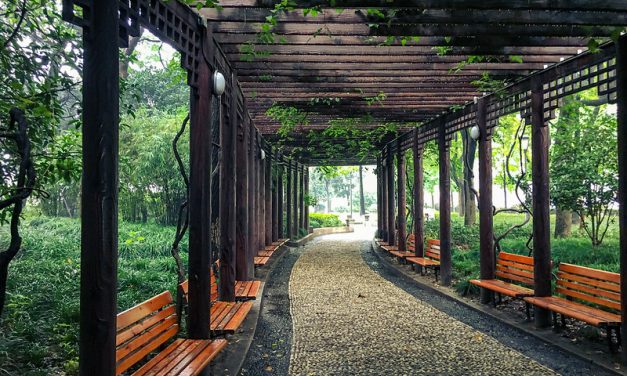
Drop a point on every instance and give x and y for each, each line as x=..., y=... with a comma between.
x=39, y=328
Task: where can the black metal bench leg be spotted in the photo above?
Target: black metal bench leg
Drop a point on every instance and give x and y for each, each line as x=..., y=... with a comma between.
x=528, y=311
x=563, y=321
x=555, y=327
x=613, y=332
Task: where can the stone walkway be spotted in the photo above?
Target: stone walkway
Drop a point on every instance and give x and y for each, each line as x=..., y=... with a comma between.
x=348, y=320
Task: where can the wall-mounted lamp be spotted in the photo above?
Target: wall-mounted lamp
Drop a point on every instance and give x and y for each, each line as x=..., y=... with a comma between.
x=475, y=132
x=263, y=154
x=219, y=83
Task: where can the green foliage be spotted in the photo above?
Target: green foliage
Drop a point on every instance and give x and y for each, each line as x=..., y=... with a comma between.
x=584, y=166
x=317, y=220
x=39, y=330
x=289, y=118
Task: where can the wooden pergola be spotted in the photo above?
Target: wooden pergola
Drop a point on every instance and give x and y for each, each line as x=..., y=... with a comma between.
x=408, y=49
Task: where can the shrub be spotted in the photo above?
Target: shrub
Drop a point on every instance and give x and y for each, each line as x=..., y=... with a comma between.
x=317, y=220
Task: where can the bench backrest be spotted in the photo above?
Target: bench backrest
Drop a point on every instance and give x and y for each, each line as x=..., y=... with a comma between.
x=184, y=287
x=515, y=268
x=411, y=243
x=433, y=249
x=589, y=285
x=143, y=328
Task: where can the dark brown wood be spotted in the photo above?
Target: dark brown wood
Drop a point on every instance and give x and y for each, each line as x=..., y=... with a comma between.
x=486, y=234
x=288, y=206
x=419, y=196
x=541, y=203
x=446, y=262
x=391, y=228
x=200, y=203
x=275, y=198
x=252, y=198
x=243, y=264
x=280, y=210
x=99, y=194
x=384, y=199
x=621, y=100
x=268, y=197
x=402, y=200
x=301, y=198
x=228, y=220
x=295, y=203
x=379, y=232
x=306, y=195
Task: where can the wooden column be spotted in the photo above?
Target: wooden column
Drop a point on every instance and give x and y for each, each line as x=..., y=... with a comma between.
x=268, y=197
x=402, y=199
x=280, y=200
x=99, y=198
x=288, y=206
x=301, y=198
x=306, y=195
x=243, y=268
x=390, y=201
x=621, y=100
x=275, y=198
x=540, y=197
x=444, y=146
x=379, y=201
x=295, y=223
x=200, y=204
x=252, y=198
x=384, y=199
x=419, y=196
x=228, y=220
x=262, y=197
x=486, y=234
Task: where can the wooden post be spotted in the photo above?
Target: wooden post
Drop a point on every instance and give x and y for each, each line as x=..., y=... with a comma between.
x=243, y=268
x=307, y=195
x=295, y=223
x=419, y=197
x=200, y=203
x=390, y=202
x=540, y=196
x=444, y=146
x=486, y=234
x=280, y=200
x=402, y=199
x=301, y=198
x=268, y=197
x=621, y=100
x=99, y=198
x=384, y=199
x=228, y=221
x=379, y=200
x=262, y=197
x=252, y=198
x=275, y=198
x=288, y=206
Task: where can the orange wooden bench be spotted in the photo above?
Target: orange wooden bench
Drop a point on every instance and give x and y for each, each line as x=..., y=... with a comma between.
x=261, y=260
x=148, y=326
x=588, y=295
x=244, y=290
x=510, y=269
x=410, y=249
x=225, y=317
x=431, y=259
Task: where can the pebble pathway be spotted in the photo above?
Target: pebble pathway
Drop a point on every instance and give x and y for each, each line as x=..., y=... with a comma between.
x=348, y=320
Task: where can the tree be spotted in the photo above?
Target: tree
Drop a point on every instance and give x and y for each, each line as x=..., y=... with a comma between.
x=584, y=164
x=362, y=202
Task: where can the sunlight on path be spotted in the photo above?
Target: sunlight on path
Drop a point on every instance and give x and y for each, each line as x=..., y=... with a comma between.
x=349, y=320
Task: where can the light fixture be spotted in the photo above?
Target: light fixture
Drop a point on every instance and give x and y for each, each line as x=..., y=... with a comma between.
x=475, y=132
x=524, y=141
x=219, y=84
x=263, y=154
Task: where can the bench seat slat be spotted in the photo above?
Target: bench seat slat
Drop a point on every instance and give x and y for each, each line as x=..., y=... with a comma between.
x=590, y=315
x=177, y=357
x=125, y=363
x=505, y=288
x=260, y=261
x=402, y=254
x=183, y=358
x=422, y=261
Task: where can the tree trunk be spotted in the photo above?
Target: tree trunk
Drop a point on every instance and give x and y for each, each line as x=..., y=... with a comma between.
x=132, y=45
x=469, y=206
x=326, y=185
x=460, y=202
x=362, y=201
x=563, y=222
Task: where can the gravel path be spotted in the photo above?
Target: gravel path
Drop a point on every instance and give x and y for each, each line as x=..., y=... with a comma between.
x=349, y=320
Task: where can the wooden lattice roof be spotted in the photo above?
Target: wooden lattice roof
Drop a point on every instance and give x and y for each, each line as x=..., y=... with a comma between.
x=425, y=56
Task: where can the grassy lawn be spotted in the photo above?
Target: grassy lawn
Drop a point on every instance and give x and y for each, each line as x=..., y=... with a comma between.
x=39, y=328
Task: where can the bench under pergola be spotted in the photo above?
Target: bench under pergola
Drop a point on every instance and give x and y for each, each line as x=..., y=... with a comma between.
x=410, y=50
